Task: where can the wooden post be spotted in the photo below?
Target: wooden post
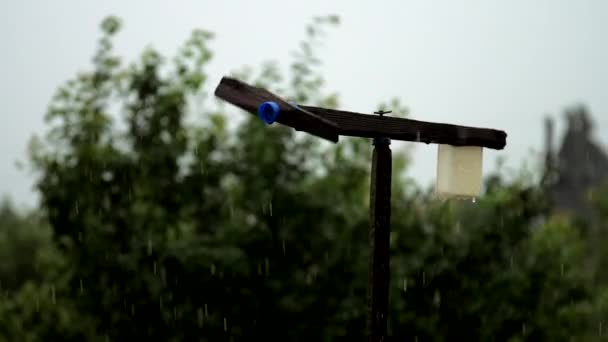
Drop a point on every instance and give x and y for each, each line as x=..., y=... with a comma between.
x=379, y=235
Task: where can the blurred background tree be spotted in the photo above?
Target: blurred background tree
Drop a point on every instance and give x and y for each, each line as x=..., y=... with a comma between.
x=152, y=226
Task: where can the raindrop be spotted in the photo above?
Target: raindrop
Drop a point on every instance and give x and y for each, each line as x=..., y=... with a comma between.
x=562, y=269
x=523, y=328
x=270, y=207
x=149, y=246
x=423, y=278
x=418, y=136
x=267, y=266
x=283, y=247
x=53, y=298
x=437, y=298
x=225, y=324
x=76, y=208
x=206, y=311
x=212, y=269
x=106, y=176
x=174, y=313
x=200, y=317
x=132, y=310
x=160, y=302
x=81, y=287
x=404, y=284
x=473, y=200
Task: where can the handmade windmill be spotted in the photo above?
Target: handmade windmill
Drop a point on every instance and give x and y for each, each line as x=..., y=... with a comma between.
x=459, y=164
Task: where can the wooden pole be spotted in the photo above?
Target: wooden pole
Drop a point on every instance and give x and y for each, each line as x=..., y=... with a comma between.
x=379, y=235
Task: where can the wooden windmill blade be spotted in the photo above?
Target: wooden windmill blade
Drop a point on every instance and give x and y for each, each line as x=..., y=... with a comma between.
x=249, y=98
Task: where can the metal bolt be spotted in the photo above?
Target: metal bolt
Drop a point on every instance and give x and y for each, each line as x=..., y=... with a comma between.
x=382, y=112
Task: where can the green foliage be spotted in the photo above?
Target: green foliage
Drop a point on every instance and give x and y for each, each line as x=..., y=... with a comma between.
x=39, y=312
x=211, y=231
x=486, y=270
x=26, y=250
x=34, y=305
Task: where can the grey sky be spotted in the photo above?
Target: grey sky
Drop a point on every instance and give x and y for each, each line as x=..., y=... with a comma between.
x=500, y=64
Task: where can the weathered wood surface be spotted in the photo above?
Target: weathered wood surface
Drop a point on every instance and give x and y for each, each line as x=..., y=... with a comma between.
x=249, y=98
x=329, y=123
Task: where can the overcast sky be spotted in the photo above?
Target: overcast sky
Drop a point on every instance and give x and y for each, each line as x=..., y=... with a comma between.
x=499, y=64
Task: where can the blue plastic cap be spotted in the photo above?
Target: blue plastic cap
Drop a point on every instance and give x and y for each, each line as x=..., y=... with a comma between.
x=269, y=111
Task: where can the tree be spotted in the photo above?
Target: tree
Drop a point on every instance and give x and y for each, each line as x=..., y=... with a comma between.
x=204, y=231
x=32, y=274
x=163, y=224
x=25, y=248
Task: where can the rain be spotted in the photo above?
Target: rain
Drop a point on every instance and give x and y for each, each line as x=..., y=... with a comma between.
x=301, y=174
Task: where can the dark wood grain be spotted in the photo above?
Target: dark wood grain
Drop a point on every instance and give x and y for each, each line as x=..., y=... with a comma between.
x=374, y=126
x=249, y=98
